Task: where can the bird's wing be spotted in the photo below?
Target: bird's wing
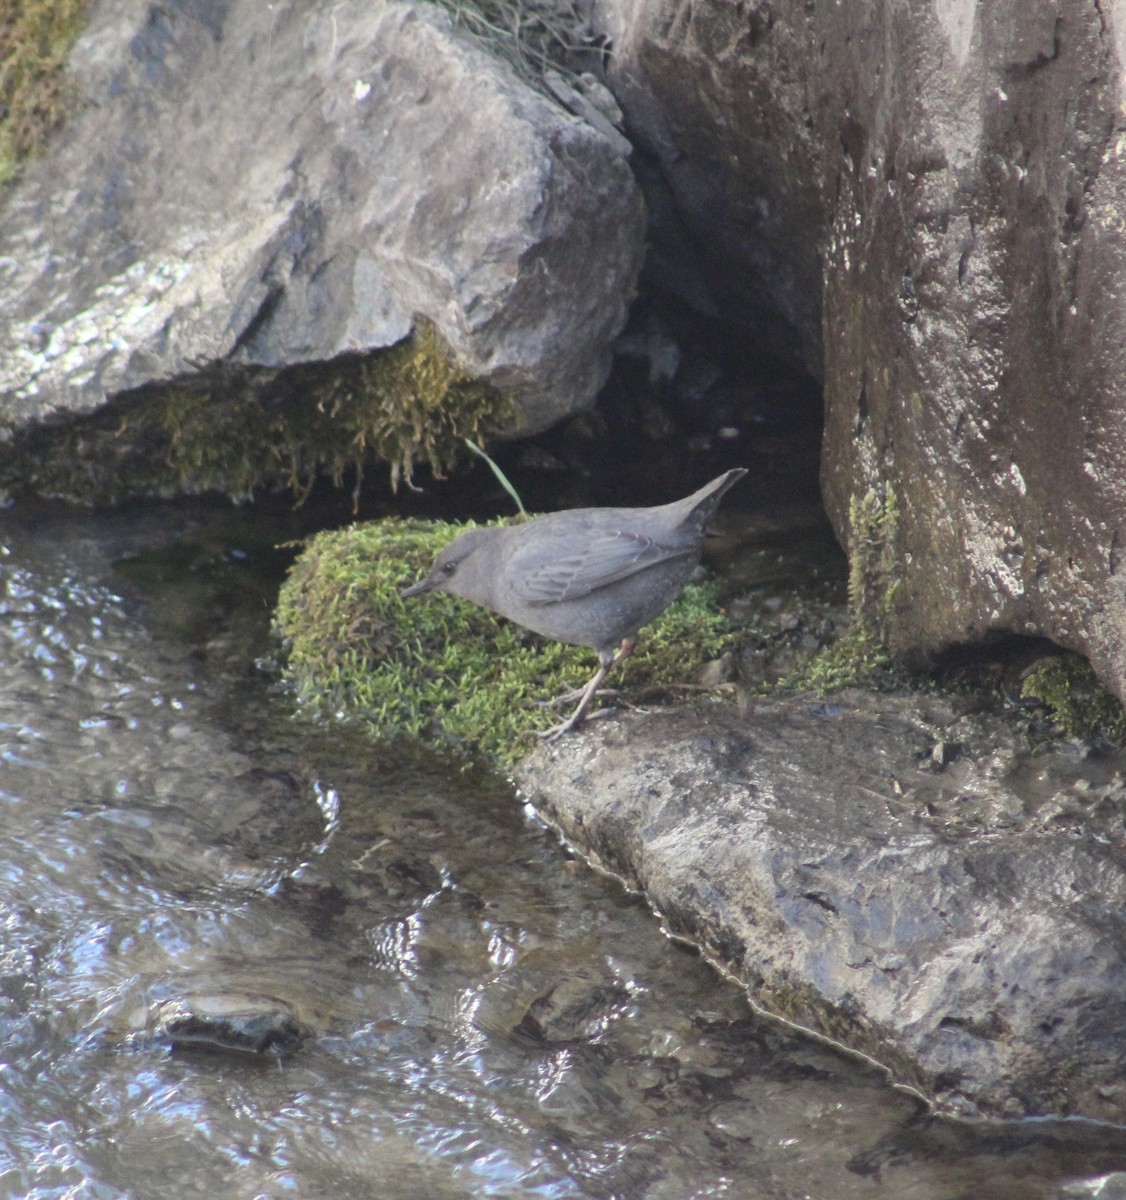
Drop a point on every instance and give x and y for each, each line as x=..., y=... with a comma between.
x=582, y=562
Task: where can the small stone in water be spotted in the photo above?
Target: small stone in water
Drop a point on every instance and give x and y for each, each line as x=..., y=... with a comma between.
x=242, y=1024
x=735, y=1119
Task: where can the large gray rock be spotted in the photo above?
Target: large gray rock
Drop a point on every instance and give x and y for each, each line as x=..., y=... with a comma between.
x=923, y=202
x=976, y=330
x=913, y=883
x=281, y=184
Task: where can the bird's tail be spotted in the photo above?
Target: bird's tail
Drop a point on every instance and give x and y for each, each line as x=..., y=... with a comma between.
x=700, y=507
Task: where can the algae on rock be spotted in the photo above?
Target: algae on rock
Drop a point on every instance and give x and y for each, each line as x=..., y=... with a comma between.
x=238, y=429
x=35, y=38
x=441, y=666
x=860, y=655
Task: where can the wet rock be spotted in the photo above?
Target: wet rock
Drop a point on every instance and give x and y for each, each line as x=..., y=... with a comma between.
x=1108, y=1187
x=996, y=202
x=943, y=753
x=548, y=1000
x=948, y=924
x=269, y=186
x=238, y=1023
x=921, y=203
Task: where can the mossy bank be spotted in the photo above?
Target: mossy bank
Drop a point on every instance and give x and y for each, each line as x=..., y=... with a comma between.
x=238, y=430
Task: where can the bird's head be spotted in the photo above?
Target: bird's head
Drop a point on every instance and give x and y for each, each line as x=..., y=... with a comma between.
x=459, y=568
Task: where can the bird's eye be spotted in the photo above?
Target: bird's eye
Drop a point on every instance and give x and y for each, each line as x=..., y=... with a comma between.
x=450, y=567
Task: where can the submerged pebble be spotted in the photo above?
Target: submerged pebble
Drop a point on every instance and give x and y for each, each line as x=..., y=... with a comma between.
x=239, y=1024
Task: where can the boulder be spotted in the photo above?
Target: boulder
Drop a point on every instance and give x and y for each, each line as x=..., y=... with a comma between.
x=922, y=202
x=911, y=881
x=975, y=331
x=265, y=186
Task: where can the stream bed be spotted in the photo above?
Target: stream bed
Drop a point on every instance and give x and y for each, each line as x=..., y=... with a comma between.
x=242, y=956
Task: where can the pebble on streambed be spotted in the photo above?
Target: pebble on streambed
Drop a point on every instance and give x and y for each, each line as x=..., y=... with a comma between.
x=236, y=1023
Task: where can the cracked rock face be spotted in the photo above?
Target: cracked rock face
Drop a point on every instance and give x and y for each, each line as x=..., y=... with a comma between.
x=274, y=185
x=923, y=203
x=910, y=881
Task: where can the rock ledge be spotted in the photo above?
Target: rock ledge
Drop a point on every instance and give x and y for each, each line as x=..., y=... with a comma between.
x=906, y=880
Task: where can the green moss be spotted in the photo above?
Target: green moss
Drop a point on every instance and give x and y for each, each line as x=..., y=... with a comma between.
x=1079, y=704
x=238, y=430
x=873, y=566
x=860, y=656
x=35, y=37
x=853, y=660
x=441, y=667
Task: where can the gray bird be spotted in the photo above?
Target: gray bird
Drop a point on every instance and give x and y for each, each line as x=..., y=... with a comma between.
x=589, y=576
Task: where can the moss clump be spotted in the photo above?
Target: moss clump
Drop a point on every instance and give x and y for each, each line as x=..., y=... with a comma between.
x=1079, y=704
x=237, y=430
x=873, y=568
x=437, y=665
x=35, y=37
x=853, y=660
x=860, y=656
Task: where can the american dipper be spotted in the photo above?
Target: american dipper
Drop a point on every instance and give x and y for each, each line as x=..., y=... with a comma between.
x=589, y=576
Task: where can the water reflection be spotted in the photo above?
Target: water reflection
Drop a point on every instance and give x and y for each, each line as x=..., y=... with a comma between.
x=473, y=1012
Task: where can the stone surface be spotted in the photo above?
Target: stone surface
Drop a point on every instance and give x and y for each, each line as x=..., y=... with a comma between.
x=922, y=201
x=728, y=107
x=958, y=916
x=237, y=1023
x=975, y=329
x=281, y=184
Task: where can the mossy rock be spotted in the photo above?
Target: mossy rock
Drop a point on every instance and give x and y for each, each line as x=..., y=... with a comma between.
x=1079, y=704
x=860, y=657
x=35, y=38
x=440, y=667
x=239, y=430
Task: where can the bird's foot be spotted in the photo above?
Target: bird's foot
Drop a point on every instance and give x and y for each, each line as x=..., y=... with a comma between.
x=585, y=697
x=574, y=695
x=571, y=723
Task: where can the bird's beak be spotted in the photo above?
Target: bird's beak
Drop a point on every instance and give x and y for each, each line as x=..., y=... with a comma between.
x=426, y=584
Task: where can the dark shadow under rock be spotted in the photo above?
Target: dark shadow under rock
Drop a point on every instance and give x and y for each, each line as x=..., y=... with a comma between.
x=920, y=884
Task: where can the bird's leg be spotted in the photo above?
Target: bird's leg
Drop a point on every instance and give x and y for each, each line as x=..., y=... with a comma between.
x=628, y=646
x=606, y=663
x=623, y=651
x=585, y=697
x=570, y=697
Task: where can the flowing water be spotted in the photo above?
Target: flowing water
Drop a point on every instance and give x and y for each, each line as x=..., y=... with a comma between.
x=244, y=957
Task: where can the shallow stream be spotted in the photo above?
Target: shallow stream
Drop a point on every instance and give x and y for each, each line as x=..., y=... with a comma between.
x=245, y=957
